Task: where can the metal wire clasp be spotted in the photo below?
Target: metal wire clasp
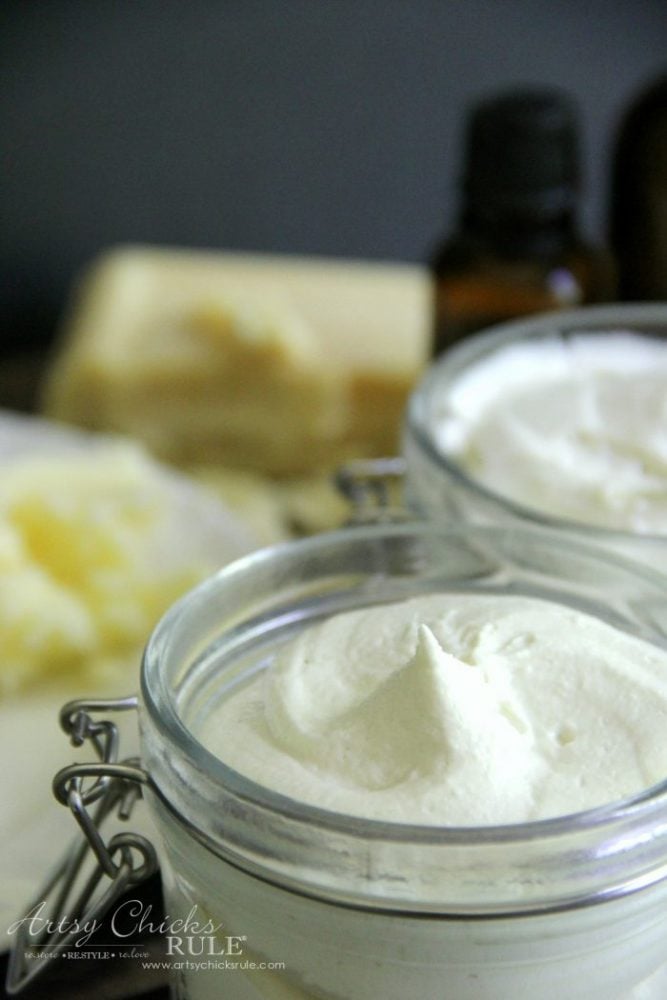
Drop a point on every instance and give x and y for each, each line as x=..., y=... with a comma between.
x=75, y=895
x=374, y=488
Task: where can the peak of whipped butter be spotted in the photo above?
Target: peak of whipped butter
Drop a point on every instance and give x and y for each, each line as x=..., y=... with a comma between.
x=574, y=428
x=453, y=709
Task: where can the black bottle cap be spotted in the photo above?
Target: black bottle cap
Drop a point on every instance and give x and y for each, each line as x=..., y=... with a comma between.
x=521, y=156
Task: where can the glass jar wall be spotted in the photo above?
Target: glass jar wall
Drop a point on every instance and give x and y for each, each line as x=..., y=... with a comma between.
x=310, y=903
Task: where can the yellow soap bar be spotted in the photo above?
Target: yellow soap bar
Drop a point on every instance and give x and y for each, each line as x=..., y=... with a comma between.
x=283, y=365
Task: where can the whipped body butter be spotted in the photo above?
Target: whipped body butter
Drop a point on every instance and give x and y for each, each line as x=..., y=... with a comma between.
x=409, y=761
x=560, y=420
x=455, y=710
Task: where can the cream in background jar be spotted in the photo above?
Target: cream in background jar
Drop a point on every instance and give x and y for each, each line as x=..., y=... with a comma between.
x=560, y=420
x=574, y=428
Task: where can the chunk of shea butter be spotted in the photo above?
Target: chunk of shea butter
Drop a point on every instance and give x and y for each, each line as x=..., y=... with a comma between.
x=455, y=710
x=94, y=546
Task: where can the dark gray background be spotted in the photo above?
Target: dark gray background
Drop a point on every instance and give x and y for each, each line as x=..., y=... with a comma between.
x=309, y=126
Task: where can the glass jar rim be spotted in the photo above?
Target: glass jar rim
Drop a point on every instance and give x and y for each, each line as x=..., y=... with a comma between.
x=465, y=354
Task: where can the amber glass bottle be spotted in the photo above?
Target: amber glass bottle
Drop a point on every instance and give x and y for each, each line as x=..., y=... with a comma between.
x=517, y=249
x=639, y=196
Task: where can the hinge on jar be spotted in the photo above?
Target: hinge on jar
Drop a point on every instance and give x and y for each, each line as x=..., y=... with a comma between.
x=374, y=488
x=77, y=900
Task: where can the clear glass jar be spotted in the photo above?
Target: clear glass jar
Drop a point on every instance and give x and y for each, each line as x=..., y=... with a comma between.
x=438, y=486
x=308, y=903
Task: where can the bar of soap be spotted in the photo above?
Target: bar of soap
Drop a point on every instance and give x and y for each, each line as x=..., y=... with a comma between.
x=283, y=365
